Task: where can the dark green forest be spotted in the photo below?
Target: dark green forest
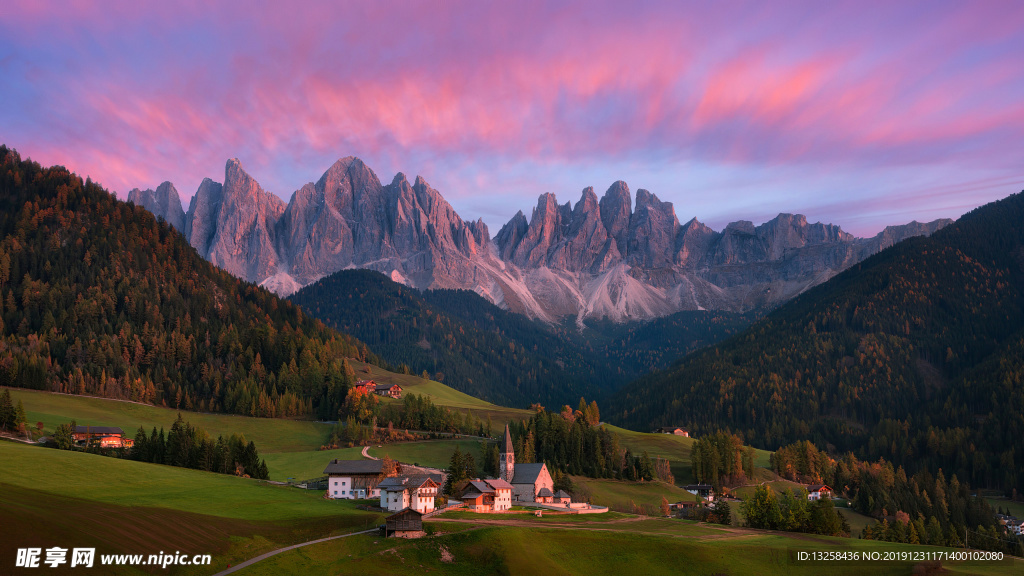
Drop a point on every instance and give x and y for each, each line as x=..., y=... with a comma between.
x=925, y=508
x=915, y=355
x=463, y=340
x=99, y=297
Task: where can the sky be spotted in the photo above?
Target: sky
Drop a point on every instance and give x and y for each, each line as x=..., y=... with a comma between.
x=862, y=114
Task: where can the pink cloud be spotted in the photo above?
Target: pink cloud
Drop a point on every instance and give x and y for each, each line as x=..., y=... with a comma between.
x=141, y=94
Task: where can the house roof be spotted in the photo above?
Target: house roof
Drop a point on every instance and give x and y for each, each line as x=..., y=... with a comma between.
x=382, y=387
x=404, y=512
x=562, y=494
x=366, y=383
x=498, y=484
x=527, y=473
x=408, y=482
x=545, y=492
x=348, y=467
x=98, y=430
x=817, y=487
x=507, y=445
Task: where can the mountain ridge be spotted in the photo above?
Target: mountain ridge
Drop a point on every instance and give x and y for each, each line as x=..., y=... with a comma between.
x=913, y=355
x=602, y=258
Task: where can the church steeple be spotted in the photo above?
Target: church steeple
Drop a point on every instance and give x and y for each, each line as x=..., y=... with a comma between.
x=507, y=458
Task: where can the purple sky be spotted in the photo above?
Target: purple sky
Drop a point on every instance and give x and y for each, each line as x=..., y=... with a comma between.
x=857, y=114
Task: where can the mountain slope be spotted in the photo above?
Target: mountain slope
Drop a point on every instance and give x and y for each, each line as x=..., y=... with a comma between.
x=98, y=297
x=599, y=259
x=913, y=355
x=504, y=357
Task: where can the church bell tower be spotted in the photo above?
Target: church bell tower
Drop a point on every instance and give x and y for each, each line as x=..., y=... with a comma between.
x=507, y=458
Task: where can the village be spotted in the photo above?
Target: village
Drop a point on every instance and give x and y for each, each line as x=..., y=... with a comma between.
x=413, y=493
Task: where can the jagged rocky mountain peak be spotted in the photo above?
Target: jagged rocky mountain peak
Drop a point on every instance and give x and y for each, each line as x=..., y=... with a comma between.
x=163, y=202
x=740, y=227
x=610, y=257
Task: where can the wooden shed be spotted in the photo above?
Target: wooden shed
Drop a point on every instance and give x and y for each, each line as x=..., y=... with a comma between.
x=405, y=524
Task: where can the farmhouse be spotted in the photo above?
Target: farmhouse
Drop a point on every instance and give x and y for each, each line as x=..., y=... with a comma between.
x=406, y=524
x=705, y=491
x=104, y=436
x=416, y=492
x=818, y=491
x=530, y=482
x=352, y=479
x=673, y=430
x=391, y=390
x=487, y=495
x=367, y=386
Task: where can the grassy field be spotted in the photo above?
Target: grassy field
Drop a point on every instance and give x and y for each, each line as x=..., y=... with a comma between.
x=676, y=448
x=621, y=496
x=432, y=453
x=298, y=466
x=54, y=497
x=778, y=486
x=1015, y=508
x=269, y=434
x=525, y=550
x=442, y=395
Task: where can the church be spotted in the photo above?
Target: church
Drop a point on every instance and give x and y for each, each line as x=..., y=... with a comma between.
x=530, y=482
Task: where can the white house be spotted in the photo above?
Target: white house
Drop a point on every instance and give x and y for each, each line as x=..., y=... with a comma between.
x=417, y=492
x=353, y=479
x=818, y=491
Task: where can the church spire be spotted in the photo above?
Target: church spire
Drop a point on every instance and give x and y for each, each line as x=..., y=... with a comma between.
x=507, y=448
x=507, y=458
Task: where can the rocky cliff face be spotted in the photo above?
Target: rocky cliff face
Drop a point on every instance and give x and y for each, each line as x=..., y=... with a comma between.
x=164, y=202
x=608, y=258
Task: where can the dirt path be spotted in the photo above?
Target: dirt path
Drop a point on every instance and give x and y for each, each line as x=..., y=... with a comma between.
x=366, y=453
x=248, y=563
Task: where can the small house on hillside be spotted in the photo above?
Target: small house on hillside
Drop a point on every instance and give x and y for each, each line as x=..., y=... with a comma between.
x=818, y=491
x=414, y=491
x=562, y=497
x=406, y=524
x=366, y=386
x=103, y=436
x=673, y=430
x=487, y=495
x=705, y=491
x=354, y=479
x=390, y=390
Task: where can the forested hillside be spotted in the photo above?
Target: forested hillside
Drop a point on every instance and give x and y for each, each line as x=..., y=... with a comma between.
x=916, y=355
x=474, y=346
x=99, y=297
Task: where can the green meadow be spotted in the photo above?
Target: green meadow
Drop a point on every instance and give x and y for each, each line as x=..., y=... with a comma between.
x=53, y=497
x=269, y=434
x=441, y=394
x=585, y=551
x=431, y=453
x=625, y=496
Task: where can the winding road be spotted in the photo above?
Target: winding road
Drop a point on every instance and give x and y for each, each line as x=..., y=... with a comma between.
x=285, y=549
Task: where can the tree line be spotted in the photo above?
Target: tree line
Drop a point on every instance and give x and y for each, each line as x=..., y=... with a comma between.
x=923, y=508
x=572, y=442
